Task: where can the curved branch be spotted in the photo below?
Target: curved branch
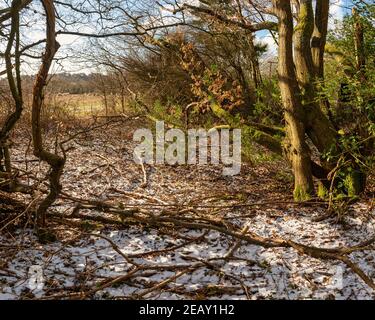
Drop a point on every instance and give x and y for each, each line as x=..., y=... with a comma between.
x=55, y=161
x=265, y=25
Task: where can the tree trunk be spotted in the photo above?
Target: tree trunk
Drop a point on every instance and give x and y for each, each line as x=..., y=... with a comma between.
x=55, y=161
x=318, y=127
x=320, y=36
x=318, y=43
x=309, y=67
x=359, y=44
x=16, y=91
x=296, y=147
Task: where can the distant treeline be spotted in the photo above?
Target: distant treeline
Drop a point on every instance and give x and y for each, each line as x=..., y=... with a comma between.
x=77, y=83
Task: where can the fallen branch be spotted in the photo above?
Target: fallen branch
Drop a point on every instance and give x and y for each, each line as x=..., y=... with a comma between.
x=335, y=253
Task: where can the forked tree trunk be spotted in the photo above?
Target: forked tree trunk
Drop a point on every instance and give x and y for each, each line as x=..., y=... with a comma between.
x=318, y=127
x=309, y=41
x=296, y=147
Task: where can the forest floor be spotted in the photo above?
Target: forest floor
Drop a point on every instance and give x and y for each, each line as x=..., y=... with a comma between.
x=96, y=258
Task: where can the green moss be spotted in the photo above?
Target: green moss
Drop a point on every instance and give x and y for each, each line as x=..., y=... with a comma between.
x=305, y=19
x=349, y=185
x=354, y=183
x=302, y=17
x=322, y=191
x=222, y=114
x=300, y=194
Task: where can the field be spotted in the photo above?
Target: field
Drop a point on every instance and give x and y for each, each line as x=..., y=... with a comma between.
x=78, y=105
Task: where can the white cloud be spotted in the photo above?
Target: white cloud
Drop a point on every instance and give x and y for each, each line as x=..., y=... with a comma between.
x=336, y=12
x=264, y=37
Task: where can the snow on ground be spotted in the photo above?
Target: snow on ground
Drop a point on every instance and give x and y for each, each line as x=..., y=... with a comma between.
x=266, y=273
x=99, y=167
